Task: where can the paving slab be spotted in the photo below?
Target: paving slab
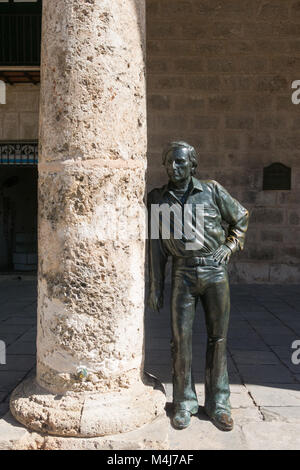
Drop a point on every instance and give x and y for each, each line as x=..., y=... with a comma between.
x=238, y=344
x=18, y=363
x=203, y=435
x=281, y=395
x=271, y=436
x=273, y=374
x=10, y=338
x=3, y=395
x=284, y=414
x=267, y=323
x=242, y=333
x=4, y=408
x=241, y=399
x=246, y=415
x=11, y=432
x=294, y=368
x=18, y=320
x=157, y=344
x=234, y=378
x=280, y=340
x=10, y=379
x=156, y=357
x=255, y=357
x=29, y=336
x=283, y=352
x=17, y=329
x=22, y=348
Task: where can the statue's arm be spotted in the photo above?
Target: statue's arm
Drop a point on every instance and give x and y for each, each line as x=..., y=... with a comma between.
x=157, y=260
x=235, y=215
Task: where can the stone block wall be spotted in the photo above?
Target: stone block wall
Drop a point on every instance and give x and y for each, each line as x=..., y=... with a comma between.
x=19, y=117
x=219, y=76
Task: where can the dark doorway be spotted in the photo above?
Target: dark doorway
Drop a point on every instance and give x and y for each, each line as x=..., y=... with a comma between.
x=18, y=218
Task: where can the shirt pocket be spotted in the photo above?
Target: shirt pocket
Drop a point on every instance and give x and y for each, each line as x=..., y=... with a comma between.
x=211, y=211
x=211, y=217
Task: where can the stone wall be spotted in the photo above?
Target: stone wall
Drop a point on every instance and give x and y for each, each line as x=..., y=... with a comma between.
x=19, y=116
x=219, y=76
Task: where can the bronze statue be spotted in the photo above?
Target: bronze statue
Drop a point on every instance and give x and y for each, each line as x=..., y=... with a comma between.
x=197, y=273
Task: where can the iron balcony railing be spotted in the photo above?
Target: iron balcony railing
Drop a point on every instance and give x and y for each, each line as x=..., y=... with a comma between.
x=20, y=39
x=19, y=153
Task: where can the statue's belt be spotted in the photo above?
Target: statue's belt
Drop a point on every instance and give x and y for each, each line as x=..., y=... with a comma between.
x=195, y=261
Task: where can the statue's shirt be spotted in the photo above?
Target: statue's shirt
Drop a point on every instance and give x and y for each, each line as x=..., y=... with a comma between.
x=218, y=207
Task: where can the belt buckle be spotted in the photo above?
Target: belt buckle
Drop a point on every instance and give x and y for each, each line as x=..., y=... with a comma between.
x=192, y=262
x=196, y=261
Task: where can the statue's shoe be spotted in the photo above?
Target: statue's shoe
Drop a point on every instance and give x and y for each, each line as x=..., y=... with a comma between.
x=181, y=419
x=222, y=421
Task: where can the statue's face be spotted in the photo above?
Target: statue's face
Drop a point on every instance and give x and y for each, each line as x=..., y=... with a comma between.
x=178, y=165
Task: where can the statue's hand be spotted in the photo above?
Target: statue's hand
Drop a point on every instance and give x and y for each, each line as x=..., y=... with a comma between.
x=155, y=301
x=222, y=254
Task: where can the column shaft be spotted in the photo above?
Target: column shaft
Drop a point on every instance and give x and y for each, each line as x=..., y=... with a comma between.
x=92, y=164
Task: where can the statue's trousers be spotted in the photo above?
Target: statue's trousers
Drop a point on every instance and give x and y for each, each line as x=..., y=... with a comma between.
x=210, y=285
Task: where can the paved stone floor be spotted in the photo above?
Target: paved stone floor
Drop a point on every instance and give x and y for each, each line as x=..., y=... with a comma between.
x=18, y=331
x=265, y=384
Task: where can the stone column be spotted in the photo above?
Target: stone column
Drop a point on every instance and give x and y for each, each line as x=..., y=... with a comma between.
x=92, y=164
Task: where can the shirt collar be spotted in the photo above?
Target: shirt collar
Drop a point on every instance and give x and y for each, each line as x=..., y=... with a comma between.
x=195, y=185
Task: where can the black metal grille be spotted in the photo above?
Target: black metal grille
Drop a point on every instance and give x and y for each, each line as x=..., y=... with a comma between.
x=19, y=153
x=20, y=33
x=20, y=39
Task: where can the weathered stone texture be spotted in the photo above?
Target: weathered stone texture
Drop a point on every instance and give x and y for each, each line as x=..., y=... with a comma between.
x=219, y=76
x=152, y=436
x=92, y=164
x=93, y=132
x=83, y=414
x=96, y=283
x=95, y=82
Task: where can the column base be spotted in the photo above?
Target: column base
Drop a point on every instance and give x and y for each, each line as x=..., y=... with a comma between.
x=87, y=414
x=152, y=436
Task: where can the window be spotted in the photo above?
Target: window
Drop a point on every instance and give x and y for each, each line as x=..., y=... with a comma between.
x=18, y=1
x=20, y=32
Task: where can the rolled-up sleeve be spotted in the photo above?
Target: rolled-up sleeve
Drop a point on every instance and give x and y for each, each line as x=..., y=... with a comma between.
x=235, y=215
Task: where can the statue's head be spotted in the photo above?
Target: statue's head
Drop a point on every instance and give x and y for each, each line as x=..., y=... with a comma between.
x=180, y=161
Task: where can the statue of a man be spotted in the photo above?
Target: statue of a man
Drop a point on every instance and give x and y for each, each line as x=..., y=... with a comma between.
x=199, y=271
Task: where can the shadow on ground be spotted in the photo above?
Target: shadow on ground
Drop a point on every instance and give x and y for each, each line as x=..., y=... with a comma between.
x=265, y=384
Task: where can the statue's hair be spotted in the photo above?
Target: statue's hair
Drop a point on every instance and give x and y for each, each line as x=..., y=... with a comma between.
x=181, y=144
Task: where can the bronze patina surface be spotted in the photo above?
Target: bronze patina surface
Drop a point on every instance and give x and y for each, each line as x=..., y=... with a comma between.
x=197, y=274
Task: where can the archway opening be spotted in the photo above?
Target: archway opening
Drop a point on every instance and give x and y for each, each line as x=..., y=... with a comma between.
x=18, y=219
